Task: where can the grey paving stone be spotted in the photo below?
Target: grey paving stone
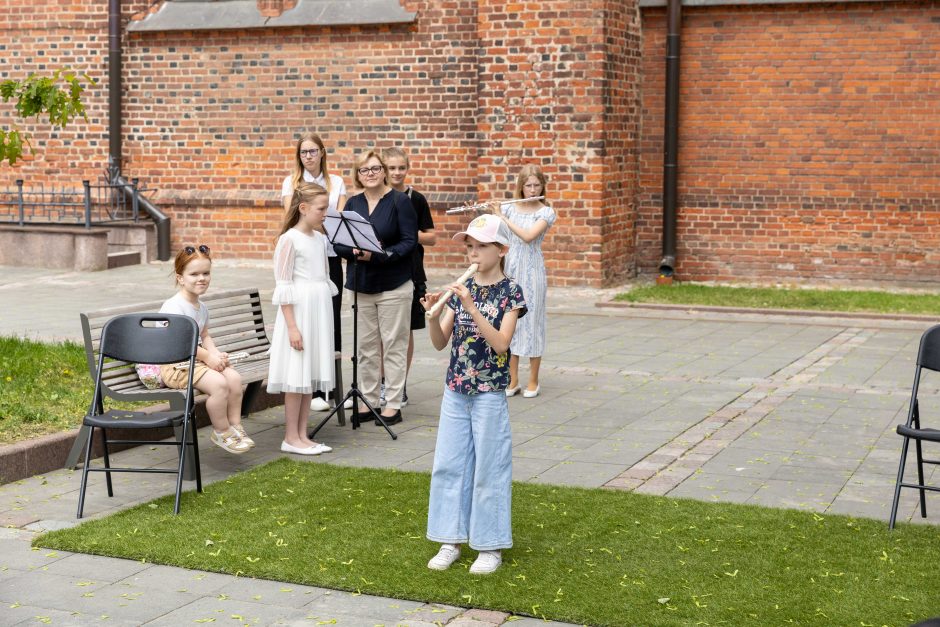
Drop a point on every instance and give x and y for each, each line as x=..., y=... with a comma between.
x=429, y=614
x=527, y=468
x=97, y=568
x=196, y=583
x=271, y=592
x=33, y=615
x=610, y=451
x=580, y=474
x=32, y=588
x=552, y=447
x=227, y=611
x=379, y=609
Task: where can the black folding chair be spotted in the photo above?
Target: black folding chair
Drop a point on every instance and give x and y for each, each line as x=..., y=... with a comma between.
x=148, y=338
x=928, y=356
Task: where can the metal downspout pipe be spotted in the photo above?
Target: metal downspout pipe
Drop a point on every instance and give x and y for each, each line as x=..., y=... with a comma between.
x=116, y=121
x=667, y=266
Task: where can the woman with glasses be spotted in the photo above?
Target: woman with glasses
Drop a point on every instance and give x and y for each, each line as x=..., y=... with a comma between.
x=310, y=165
x=384, y=285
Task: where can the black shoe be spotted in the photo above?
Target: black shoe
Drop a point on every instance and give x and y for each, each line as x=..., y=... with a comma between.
x=364, y=417
x=390, y=420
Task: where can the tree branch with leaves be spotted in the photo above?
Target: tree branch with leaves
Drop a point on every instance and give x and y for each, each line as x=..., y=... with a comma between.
x=59, y=96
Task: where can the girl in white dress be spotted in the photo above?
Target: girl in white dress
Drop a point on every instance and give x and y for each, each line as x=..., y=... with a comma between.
x=310, y=165
x=302, y=344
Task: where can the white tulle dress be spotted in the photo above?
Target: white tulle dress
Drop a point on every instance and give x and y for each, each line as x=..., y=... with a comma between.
x=302, y=275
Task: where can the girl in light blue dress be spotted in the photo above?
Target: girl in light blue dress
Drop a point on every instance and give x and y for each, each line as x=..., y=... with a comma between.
x=528, y=222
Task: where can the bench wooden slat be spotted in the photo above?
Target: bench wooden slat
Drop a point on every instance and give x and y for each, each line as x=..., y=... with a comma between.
x=236, y=322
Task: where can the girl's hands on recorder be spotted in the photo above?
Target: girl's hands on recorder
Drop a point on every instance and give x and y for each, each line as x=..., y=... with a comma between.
x=429, y=300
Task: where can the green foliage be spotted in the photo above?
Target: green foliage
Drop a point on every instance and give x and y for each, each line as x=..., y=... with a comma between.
x=781, y=298
x=58, y=96
x=597, y=557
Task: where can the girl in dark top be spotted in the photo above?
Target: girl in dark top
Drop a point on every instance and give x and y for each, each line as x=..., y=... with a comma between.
x=384, y=286
x=397, y=162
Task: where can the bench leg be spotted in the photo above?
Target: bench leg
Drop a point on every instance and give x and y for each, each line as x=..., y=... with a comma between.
x=248, y=398
x=78, y=448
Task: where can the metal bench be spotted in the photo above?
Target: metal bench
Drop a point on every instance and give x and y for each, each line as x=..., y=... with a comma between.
x=236, y=324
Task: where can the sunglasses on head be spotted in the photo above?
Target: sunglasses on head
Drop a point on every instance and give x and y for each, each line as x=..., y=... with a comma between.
x=191, y=250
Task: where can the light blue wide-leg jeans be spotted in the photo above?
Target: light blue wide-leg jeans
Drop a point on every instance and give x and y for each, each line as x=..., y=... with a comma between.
x=471, y=483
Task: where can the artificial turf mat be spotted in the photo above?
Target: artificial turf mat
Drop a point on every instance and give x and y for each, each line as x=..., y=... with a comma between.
x=590, y=556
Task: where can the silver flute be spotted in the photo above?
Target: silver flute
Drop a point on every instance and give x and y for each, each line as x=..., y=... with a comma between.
x=480, y=206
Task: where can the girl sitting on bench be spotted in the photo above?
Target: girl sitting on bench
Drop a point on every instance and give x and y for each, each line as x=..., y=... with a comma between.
x=213, y=375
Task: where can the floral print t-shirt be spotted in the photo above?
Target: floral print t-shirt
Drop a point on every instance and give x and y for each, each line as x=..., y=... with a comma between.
x=474, y=366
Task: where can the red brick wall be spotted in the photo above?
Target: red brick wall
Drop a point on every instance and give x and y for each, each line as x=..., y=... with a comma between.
x=541, y=101
x=809, y=142
x=473, y=89
x=614, y=227
x=809, y=134
x=42, y=37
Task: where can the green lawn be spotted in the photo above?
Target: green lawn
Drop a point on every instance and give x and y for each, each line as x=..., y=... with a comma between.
x=44, y=388
x=597, y=557
x=780, y=298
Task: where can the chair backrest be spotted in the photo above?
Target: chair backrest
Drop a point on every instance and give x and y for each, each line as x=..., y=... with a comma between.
x=928, y=355
x=151, y=338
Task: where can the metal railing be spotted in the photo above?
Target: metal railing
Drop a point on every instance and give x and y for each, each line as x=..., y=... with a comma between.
x=93, y=205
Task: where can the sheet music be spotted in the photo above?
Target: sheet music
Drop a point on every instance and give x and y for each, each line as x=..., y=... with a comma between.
x=351, y=229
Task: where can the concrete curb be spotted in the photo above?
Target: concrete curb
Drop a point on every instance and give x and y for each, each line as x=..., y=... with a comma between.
x=46, y=453
x=806, y=313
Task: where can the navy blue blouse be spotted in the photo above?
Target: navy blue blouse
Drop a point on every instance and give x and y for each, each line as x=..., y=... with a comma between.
x=396, y=226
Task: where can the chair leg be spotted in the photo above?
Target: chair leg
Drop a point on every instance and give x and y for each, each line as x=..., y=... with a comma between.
x=179, y=469
x=198, y=468
x=107, y=461
x=915, y=421
x=81, y=490
x=897, y=485
x=920, y=479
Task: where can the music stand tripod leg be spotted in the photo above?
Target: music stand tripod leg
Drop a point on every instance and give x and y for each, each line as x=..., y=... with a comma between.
x=354, y=391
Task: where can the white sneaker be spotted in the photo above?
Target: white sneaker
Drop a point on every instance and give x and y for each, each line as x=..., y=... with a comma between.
x=487, y=562
x=448, y=554
x=348, y=404
x=319, y=404
x=240, y=430
x=231, y=442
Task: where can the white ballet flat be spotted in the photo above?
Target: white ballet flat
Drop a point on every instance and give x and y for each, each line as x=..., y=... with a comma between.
x=532, y=393
x=513, y=391
x=308, y=450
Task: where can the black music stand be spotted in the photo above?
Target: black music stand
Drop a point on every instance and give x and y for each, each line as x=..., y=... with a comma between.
x=351, y=229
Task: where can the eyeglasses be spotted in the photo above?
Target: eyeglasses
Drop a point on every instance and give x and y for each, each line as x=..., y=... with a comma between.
x=313, y=152
x=374, y=170
x=191, y=250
